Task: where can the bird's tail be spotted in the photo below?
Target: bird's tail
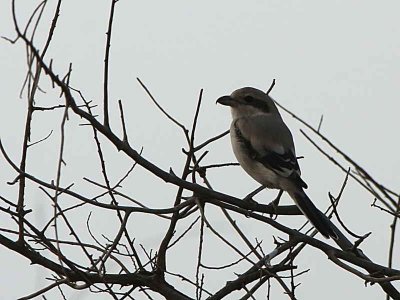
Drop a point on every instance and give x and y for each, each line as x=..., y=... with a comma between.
x=316, y=217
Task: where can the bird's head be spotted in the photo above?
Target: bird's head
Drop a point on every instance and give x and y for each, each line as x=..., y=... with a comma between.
x=249, y=101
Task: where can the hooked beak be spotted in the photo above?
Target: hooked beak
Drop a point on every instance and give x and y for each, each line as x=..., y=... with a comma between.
x=225, y=100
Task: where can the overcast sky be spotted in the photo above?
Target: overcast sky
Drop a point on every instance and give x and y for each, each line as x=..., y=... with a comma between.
x=339, y=59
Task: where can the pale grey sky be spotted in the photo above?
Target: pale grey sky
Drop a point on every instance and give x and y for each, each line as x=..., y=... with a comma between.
x=336, y=58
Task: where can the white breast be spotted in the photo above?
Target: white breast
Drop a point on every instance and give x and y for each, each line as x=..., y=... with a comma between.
x=255, y=169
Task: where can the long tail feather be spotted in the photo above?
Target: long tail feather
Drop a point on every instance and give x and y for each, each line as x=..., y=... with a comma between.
x=316, y=217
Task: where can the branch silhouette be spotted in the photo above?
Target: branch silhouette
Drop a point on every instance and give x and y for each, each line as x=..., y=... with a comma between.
x=118, y=262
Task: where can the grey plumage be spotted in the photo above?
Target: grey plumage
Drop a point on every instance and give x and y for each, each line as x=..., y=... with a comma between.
x=263, y=145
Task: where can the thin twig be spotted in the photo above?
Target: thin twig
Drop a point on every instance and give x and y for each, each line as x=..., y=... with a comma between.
x=163, y=110
x=106, y=63
x=121, y=110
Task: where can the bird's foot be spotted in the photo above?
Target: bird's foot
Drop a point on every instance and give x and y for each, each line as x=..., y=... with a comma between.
x=275, y=203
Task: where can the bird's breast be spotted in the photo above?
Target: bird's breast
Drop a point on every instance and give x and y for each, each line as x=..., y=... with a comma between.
x=247, y=161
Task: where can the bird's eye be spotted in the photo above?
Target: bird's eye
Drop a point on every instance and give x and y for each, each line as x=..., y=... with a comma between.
x=248, y=99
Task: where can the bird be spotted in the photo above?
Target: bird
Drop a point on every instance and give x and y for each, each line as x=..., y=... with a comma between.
x=264, y=148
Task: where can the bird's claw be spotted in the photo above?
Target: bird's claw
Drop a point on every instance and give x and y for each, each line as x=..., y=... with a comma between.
x=275, y=203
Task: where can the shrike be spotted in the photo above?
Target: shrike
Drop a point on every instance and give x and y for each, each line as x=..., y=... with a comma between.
x=263, y=145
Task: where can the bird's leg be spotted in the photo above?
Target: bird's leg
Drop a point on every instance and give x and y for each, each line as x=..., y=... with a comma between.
x=277, y=199
x=249, y=197
x=275, y=202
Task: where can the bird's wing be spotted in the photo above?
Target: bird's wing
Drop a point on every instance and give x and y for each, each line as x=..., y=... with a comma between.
x=268, y=140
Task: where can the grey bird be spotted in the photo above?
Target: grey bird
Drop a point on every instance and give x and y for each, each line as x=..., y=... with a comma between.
x=263, y=145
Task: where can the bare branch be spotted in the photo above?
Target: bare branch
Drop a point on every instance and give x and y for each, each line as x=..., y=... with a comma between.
x=106, y=63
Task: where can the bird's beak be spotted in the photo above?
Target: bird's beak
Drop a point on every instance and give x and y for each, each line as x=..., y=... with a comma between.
x=226, y=100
